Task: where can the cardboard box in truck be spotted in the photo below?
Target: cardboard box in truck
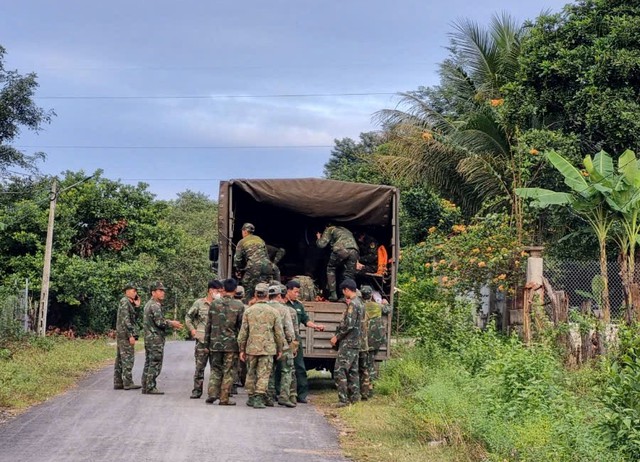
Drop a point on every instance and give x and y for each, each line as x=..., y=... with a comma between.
x=287, y=213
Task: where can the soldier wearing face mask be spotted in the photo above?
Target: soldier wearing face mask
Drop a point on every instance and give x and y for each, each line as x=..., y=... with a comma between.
x=196, y=320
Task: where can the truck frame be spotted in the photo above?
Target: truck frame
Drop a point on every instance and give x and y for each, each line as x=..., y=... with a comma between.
x=287, y=213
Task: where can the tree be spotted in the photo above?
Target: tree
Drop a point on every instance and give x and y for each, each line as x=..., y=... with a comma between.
x=456, y=137
x=580, y=74
x=351, y=160
x=17, y=110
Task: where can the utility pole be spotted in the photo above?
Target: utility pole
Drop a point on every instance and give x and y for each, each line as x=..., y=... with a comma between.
x=46, y=270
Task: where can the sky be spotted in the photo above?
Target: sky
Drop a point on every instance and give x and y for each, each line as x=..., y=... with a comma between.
x=181, y=95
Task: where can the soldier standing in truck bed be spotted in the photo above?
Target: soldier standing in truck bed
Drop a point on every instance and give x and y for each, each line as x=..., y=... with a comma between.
x=251, y=260
x=344, y=254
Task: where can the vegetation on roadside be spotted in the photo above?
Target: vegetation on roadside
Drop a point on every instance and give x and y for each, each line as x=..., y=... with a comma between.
x=34, y=369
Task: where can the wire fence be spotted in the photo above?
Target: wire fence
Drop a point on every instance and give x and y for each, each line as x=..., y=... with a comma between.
x=580, y=281
x=15, y=312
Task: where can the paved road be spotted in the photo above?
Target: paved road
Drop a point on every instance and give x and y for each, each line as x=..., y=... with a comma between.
x=93, y=422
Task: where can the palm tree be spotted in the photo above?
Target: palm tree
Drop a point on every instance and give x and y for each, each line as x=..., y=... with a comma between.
x=454, y=137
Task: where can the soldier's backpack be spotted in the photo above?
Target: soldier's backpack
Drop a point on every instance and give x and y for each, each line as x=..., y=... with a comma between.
x=308, y=290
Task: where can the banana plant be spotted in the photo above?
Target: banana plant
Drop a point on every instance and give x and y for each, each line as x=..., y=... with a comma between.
x=588, y=199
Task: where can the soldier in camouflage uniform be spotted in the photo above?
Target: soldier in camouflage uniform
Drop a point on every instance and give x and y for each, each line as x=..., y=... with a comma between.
x=195, y=320
x=275, y=255
x=221, y=332
x=240, y=367
x=155, y=330
x=347, y=339
x=126, y=336
x=251, y=261
x=281, y=373
x=344, y=254
x=376, y=336
x=368, y=254
x=302, y=384
x=261, y=337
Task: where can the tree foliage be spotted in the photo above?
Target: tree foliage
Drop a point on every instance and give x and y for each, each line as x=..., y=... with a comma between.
x=17, y=110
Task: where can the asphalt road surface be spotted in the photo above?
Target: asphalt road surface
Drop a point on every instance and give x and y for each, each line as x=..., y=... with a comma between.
x=94, y=422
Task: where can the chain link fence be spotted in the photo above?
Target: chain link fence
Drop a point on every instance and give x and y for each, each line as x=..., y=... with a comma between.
x=15, y=312
x=576, y=278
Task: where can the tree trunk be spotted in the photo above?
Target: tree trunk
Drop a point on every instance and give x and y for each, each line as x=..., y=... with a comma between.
x=606, y=305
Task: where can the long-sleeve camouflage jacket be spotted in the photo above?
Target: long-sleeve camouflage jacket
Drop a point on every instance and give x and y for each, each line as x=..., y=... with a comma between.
x=153, y=322
x=349, y=329
x=126, y=320
x=338, y=237
x=223, y=324
x=261, y=332
x=251, y=252
x=196, y=317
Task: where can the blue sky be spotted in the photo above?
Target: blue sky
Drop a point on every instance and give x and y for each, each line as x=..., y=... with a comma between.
x=193, y=58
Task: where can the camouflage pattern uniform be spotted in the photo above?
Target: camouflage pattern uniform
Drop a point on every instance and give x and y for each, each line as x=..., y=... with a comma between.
x=293, y=389
x=376, y=333
x=302, y=383
x=251, y=259
x=155, y=330
x=368, y=249
x=281, y=372
x=125, y=328
x=196, y=318
x=275, y=255
x=221, y=332
x=363, y=356
x=261, y=337
x=344, y=252
x=346, y=368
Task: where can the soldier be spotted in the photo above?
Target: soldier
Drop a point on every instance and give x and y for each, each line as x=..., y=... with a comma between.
x=126, y=336
x=155, y=331
x=260, y=338
x=251, y=260
x=344, y=253
x=240, y=369
x=275, y=255
x=302, y=384
x=221, y=332
x=195, y=320
x=376, y=338
x=284, y=365
x=347, y=339
x=368, y=254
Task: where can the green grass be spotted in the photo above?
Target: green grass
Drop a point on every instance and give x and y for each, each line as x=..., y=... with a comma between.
x=35, y=369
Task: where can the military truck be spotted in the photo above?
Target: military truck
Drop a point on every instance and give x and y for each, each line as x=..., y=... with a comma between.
x=287, y=214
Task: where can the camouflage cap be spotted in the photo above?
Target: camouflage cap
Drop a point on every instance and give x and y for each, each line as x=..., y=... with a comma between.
x=240, y=291
x=128, y=286
x=366, y=290
x=157, y=286
x=274, y=290
x=249, y=227
x=283, y=289
x=262, y=288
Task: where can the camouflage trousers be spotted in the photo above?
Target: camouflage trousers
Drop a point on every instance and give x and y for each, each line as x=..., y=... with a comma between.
x=124, y=363
x=258, y=373
x=221, y=377
x=201, y=355
x=346, y=375
x=154, y=353
x=300, y=378
x=345, y=258
x=364, y=371
x=280, y=380
x=253, y=276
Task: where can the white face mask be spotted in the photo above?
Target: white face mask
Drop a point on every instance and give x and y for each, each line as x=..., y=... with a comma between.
x=216, y=295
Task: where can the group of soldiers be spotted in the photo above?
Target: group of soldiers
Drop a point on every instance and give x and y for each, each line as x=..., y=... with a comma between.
x=262, y=334
x=256, y=262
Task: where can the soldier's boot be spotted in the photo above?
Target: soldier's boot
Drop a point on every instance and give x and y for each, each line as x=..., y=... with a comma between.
x=285, y=402
x=132, y=386
x=224, y=399
x=331, y=284
x=118, y=386
x=268, y=400
x=211, y=399
x=258, y=402
x=153, y=391
x=227, y=403
x=234, y=389
x=251, y=400
x=293, y=399
x=196, y=393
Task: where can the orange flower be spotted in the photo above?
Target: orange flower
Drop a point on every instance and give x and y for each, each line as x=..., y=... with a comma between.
x=445, y=278
x=534, y=152
x=482, y=264
x=476, y=250
x=502, y=277
x=501, y=288
x=442, y=262
x=459, y=228
x=497, y=102
x=432, y=230
x=427, y=136
x=427, y=265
